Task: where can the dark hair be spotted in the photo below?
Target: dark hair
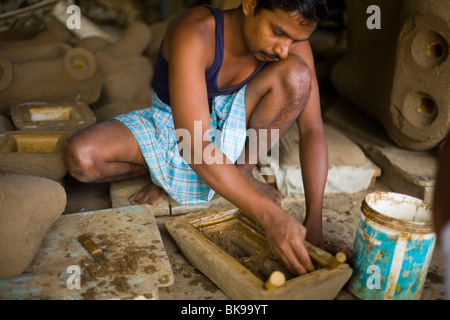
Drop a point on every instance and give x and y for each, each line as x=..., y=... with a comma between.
x=314, y=11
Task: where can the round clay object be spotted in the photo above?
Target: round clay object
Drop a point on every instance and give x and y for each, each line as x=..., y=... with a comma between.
x=29, y=205
x=80, y=64
x=6, y=73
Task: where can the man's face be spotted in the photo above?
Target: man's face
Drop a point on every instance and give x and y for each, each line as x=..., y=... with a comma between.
x=270, y=35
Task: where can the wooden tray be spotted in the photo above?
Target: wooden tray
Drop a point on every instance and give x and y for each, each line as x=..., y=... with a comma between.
x=226, y=245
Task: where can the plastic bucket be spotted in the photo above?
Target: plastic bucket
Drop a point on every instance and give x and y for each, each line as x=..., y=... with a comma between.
x=393, y=248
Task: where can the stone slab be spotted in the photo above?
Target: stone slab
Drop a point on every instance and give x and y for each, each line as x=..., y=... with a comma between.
x=404, y=171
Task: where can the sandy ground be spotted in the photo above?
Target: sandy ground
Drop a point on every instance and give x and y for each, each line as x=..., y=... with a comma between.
x=341, y=216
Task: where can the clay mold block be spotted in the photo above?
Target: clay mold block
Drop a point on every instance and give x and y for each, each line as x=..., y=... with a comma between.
x=33, y=153
x=47, y=117
x=232, y=251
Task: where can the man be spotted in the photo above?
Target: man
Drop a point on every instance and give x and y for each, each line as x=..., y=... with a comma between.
x=441, y=208
x=246, y=68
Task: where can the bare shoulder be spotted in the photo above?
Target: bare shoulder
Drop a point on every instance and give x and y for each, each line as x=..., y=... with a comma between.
x=303, y=50
x=194, y=27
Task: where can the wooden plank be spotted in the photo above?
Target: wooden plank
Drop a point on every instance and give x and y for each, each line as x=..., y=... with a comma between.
x=128, y=237
x=404, y=171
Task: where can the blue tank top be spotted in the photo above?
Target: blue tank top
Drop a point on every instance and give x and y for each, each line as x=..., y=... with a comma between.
x=161, y=79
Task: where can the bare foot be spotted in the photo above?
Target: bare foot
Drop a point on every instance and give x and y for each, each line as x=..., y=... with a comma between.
x=265, y=189
x=151, y=194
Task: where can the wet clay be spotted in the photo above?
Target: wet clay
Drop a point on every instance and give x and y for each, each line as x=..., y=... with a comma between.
x=28, y=207
x=124, y=262
x=247, y=252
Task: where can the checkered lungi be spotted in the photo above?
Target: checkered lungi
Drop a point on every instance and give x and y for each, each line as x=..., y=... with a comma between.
x=154, y=130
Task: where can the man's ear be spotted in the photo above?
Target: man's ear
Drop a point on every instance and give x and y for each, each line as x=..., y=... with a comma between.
x=248, y=6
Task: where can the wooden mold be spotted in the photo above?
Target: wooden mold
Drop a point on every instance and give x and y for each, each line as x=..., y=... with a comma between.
x=33, y=153
x=45, y=117
x=232, y=251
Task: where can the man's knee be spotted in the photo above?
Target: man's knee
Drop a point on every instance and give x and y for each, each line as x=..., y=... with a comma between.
x=79, y=159
x=295, y=76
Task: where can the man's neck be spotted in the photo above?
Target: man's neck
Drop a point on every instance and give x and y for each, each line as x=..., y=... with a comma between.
x=233, y=33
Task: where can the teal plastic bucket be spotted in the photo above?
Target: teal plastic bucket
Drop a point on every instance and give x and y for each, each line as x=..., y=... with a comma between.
x=393, y=248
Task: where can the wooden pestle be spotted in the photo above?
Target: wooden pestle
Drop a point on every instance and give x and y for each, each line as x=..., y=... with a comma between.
x=337, y=260
x=276, y=280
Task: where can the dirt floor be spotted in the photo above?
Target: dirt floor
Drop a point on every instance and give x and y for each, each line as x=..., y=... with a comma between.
x=341, y=215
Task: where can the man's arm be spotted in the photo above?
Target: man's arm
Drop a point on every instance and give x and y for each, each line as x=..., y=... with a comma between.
x=189, y=101
x=313, y=152
x=441, y=207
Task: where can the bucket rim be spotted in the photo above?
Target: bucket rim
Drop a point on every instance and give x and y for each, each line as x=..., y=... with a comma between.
x=395, y=223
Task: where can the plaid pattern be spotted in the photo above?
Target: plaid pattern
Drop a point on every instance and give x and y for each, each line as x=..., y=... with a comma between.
x=154, y=130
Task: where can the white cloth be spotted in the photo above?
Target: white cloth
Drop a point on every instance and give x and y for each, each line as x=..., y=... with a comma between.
x=341, y=179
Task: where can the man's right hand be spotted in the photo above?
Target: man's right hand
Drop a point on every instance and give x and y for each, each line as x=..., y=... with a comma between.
x=286, y=238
